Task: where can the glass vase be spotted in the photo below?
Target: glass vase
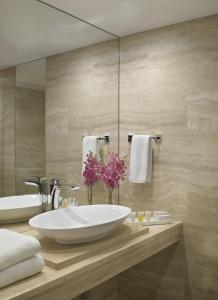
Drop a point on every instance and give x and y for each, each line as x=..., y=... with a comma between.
x=89, y=194
x=110, y=195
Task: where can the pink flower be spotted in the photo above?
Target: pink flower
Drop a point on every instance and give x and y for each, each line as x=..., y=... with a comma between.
x=91, y=172
x=113, y=171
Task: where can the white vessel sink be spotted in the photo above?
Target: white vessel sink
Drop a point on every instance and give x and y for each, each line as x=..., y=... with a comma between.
x=19, y=208
x=80, y=224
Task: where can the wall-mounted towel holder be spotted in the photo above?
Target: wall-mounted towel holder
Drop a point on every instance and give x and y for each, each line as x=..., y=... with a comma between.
x=105, y=138
x=156, y=138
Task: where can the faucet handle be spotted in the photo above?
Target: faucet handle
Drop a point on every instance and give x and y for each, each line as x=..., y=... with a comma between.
x=57, y=183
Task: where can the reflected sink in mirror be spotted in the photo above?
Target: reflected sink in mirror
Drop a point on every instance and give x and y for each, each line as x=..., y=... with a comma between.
x=15, y=209
x=80, y=224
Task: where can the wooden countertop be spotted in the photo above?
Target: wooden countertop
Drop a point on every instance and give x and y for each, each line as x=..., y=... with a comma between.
x=72, y=280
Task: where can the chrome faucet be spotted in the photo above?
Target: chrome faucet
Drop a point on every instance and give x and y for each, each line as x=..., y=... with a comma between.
x=55, y=188
x=49, y=191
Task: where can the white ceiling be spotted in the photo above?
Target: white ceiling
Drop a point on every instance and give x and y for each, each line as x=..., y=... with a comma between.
x=30, y=30
x=123, y=17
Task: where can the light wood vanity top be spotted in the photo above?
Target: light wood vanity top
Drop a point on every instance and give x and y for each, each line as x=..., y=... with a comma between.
x=74, y=274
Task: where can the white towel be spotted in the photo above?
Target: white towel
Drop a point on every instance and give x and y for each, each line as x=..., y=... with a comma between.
x=90, y=143
x=21, y=270
x=15, y=247
x=140, y=170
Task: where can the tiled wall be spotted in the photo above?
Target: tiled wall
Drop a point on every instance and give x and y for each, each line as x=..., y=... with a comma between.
x=169, y=85
x=1, y=134
x=8, y=183
x=30, y=137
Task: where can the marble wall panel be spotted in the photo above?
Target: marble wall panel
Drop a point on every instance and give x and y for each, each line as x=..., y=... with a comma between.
x=1, y=134
x=9, y=76
x=30, y=137
x=169, y=86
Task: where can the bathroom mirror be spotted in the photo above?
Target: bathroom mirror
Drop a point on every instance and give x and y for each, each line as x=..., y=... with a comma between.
x=64, y=86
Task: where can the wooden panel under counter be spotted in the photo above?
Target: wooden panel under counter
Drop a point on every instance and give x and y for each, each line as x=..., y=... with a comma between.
x=84, y=274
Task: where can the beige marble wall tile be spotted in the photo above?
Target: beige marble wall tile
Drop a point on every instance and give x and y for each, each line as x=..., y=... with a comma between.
x=169, y=86
x=9, y=76
x=1, y=134
x=30, y=137
x=81, y=99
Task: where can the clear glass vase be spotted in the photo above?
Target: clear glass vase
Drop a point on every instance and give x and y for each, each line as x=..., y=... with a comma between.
x=89, y=194
x=110, y=195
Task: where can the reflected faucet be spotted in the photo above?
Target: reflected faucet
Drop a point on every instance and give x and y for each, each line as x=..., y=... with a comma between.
x=39, y=182
x=36, y=181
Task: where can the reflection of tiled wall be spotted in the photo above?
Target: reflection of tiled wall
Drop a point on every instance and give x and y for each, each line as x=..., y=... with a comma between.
x=8, y=76
x=169, y=85
x=1, y=135
x=30, y=137
x=81, y=99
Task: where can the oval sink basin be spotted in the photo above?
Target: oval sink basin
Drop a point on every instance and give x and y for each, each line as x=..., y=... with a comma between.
x=19, y=208
x=80, y=224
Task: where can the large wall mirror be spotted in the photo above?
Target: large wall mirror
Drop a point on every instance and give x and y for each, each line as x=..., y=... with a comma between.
x=58, y=82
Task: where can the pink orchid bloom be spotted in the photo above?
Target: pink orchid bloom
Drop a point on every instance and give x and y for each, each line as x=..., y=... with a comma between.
x=91, y=172
x=113, y=171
